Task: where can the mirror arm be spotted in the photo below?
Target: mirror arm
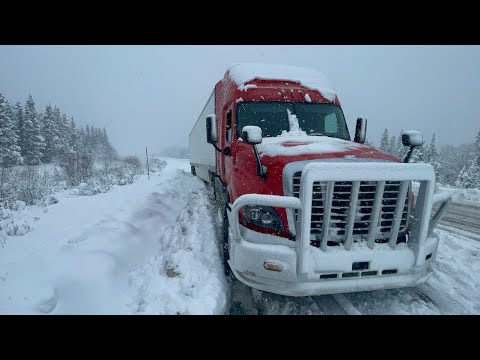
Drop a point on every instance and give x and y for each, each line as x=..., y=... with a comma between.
x=225, y=151
x=260, y=170
x=217, y=148
x=407, y=158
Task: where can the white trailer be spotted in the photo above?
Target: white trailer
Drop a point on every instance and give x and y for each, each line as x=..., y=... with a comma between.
x=202, y=154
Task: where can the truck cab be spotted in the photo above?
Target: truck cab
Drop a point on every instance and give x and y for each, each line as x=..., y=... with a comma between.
x=307, y=210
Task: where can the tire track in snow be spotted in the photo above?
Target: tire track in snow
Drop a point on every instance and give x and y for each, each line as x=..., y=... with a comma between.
x=346, y=305
x=458, y=230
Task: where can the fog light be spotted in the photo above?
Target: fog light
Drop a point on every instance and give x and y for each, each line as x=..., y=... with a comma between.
x=272, y=267
x=267, y=219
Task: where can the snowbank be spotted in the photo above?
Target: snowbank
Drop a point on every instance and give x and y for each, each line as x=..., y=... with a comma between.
x=148, y=247
x=464, y=196
x=459, y=196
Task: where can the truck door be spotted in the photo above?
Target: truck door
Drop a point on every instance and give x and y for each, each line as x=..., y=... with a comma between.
x=227, y=137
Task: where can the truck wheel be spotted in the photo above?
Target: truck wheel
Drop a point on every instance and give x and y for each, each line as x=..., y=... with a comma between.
x=226, y=255
x=192, y=169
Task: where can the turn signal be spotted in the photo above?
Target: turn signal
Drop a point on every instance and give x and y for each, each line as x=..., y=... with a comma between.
x=273, y=267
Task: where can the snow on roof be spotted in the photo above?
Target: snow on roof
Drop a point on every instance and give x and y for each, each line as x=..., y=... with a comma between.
x=312, y=79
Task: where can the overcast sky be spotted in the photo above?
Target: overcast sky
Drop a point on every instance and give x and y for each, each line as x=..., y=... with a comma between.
x=152, y=95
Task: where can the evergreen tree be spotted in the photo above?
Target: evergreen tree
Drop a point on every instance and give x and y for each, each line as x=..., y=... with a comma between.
x=9, y=150
x=108, y=150
x=477, y=148
x=432, y=158
x=392, y=149
x=50, y=134
x=400, y=150
x=432, y=151
x=449, y=163
x=75, y=142
x=82, y=137
x=34, y=142
x=384, y=141
x=66, y=126
x=469, y=178
x=88, y=140
x=94, y=141
x=45, y=137
x=62, y=128
x=418, y=155
x=18, y=113
x=65, y=134
x=459, y=181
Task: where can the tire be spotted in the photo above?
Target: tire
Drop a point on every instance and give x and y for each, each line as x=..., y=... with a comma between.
x=225, y=244
x=192, y=169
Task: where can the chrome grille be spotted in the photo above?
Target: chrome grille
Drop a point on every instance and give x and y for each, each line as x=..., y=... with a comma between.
x=340, y=208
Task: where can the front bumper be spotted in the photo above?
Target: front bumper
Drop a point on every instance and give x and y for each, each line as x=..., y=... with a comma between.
x=351, y=266
x=387, y=267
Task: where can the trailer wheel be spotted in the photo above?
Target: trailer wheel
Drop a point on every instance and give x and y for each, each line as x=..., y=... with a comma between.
x=225, y=244
x=192, y=169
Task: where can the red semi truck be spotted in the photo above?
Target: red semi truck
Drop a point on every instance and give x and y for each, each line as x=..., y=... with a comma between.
x=305, y=209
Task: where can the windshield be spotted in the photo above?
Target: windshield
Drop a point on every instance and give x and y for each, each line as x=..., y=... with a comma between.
x=272, y=117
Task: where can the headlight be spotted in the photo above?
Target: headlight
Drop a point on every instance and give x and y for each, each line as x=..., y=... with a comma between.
x=263, y=216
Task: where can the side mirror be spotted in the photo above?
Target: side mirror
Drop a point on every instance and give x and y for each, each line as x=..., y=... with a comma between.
x=252, y=135
x=361, y=131
x=211, y=129
x=412, y=138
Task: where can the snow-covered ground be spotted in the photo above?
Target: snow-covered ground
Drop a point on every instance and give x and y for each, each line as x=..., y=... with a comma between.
x=469, y=197
x=149, y=247
x=463, y=196
x=152, y=247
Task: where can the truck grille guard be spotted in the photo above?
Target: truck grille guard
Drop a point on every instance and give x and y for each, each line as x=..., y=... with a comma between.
x=361, y=197
x=377, y=206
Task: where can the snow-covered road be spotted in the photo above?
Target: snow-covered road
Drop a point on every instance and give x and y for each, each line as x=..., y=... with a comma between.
x=462, y=219
x=153, y=247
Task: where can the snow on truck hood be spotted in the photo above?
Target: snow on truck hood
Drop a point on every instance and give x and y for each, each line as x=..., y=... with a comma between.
x=312, y=79
x=304, y=144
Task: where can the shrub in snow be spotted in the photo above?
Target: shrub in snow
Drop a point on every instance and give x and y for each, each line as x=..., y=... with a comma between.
x=33, y=184
x=123, y=174
x=114, y=173
x=10, y=226
x=157, y=165
x=7, y=185
x=93, y=187
x=109, y=174
x=18, y=205
x=14, y=229
x=59, y=179
x=50, y=200
x=134, y=162
x=77, y=168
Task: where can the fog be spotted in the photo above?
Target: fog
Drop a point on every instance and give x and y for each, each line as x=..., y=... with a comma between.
x=152, y=95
